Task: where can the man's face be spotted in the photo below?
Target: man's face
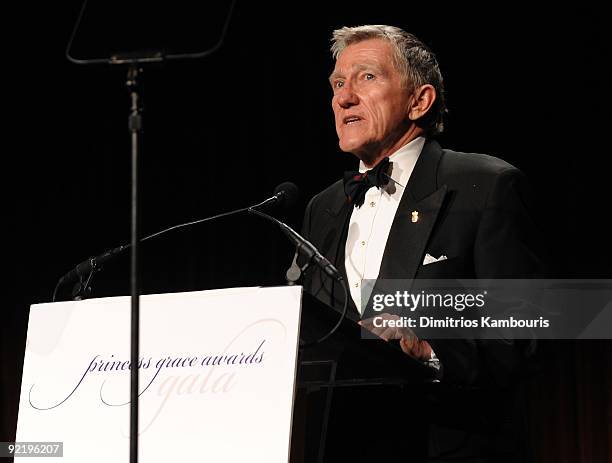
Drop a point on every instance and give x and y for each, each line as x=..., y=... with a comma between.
x=370, y=102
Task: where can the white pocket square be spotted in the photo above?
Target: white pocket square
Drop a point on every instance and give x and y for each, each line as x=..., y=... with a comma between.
x=429, y=259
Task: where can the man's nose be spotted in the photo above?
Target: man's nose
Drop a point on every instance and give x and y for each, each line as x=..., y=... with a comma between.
x=346, y=97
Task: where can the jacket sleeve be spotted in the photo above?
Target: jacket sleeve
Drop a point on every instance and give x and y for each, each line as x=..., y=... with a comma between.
x=506, y=246
x=507, y=236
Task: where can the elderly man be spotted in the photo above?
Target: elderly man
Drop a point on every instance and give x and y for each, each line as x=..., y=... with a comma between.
x=414, y=210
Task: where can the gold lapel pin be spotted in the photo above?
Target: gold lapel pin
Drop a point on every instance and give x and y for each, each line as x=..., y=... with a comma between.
x=415, y=216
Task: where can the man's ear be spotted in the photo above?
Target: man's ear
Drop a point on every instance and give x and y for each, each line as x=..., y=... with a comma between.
x=422, y=99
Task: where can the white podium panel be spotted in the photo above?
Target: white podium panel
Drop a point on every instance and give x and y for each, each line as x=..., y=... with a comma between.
x=217, y=375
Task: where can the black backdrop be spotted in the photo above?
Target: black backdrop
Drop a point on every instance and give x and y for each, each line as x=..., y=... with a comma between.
x=531, y=87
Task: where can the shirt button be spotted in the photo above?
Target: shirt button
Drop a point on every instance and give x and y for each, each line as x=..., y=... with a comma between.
x=372, y=203
x=363, y=243
x=357, y=285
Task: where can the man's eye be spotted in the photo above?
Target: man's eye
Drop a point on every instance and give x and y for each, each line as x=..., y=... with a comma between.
x=369, y=76
x=338, y=84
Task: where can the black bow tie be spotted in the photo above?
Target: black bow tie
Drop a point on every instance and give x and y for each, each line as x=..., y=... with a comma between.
x=356, y=183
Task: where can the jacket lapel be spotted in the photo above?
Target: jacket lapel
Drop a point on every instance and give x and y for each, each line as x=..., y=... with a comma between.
x=415, y=217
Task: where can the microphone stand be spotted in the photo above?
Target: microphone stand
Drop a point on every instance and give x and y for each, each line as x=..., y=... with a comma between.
x=135, y=126
x=134, y=61
x=311, y=255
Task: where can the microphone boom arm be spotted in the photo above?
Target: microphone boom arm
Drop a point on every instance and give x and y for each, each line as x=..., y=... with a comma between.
x=86, y=269
x=305, y=247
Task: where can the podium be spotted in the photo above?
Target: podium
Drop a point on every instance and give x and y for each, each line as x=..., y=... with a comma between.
x=222, y=378
x=350, y=365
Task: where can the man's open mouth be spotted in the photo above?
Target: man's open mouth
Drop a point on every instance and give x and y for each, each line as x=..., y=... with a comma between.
x=348, y=120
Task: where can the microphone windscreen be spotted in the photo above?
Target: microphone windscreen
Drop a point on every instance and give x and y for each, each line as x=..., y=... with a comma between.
x=288, y=194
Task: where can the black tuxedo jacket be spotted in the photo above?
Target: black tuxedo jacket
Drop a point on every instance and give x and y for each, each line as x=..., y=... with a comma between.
x=472, y=208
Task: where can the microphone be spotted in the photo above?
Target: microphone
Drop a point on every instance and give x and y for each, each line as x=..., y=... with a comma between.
x=285, y=196
x=304, y=247
x=85, y=267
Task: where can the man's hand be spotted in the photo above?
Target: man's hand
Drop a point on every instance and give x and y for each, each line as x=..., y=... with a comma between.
x=409, y=342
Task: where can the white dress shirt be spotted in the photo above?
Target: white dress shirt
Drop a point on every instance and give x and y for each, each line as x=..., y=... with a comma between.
x=370, y=224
